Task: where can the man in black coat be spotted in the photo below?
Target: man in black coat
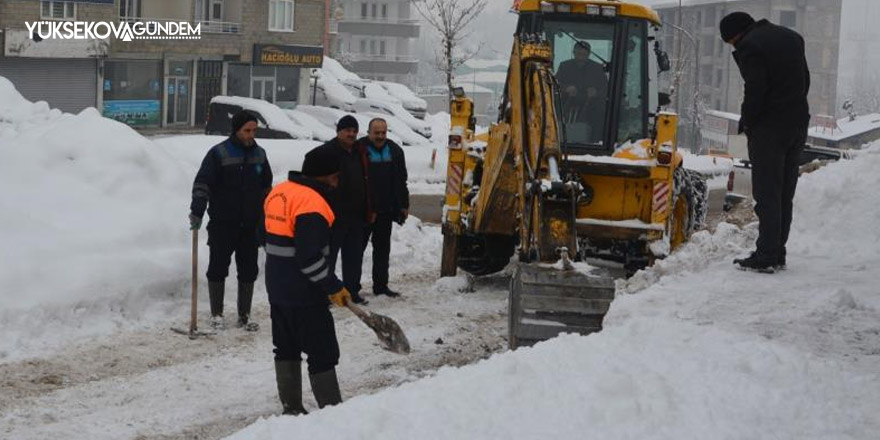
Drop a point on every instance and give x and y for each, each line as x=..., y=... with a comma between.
x=231, y=184
x=389, y=196
x=350, y=204
x=584, y=87
x=775, y=116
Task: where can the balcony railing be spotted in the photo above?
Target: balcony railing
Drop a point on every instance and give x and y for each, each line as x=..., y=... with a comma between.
x=380, y=20
x=206, y=26
x=387, y=57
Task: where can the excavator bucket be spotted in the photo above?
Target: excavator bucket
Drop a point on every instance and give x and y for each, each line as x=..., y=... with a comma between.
x=546, y=301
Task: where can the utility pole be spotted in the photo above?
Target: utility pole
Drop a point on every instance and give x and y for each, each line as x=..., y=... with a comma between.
x=696, y=97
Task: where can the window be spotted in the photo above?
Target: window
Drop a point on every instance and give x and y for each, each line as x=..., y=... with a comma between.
x=709, y=18
x=281, y=15
x=633, y=105
x=384, y=10
x=373, y=10
x=580, y=56
x=381, y=48
x=363, y=46
x=788, y=18
x=363, y=10
x=372, y=47
x=128, y=8
x=53, y=10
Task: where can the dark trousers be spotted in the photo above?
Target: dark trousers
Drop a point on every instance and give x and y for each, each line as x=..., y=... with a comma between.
x=347, y=236
x=380, y=233
x=226, y=239
x=774, y=154
x=309, y=330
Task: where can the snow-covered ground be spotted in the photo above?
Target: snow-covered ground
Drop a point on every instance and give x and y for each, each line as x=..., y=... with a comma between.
x=692, y=348
x=95, y=270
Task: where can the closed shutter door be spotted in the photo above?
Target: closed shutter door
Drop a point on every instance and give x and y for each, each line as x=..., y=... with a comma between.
x=69, y=85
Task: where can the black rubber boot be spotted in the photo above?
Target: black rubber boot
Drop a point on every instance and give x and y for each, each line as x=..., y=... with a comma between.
x=216, y=290
x=288, y=376
x=245, y=297
x=326, y=388
x=757, y=262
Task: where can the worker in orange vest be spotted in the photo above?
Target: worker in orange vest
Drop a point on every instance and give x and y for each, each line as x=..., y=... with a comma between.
x=301, y=284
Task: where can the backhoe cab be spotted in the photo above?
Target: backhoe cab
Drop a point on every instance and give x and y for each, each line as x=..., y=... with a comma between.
x=581, y=166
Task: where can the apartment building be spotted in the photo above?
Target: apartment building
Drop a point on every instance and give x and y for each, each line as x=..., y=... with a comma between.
x=376, y=38
x=711, y=73
x=254, y=48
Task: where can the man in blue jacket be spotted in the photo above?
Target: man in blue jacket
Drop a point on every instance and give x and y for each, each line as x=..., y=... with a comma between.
x=231, y=184
x=300, y=279
x=389, y=194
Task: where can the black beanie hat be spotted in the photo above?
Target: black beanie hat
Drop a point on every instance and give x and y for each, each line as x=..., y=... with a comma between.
x=319, y=163
x=347, y=121
x=734, y=24
x=241, y=118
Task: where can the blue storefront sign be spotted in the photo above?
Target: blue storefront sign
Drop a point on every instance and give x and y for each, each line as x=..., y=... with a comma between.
x=134, y=112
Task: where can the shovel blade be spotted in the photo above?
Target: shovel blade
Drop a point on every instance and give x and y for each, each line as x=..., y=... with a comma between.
x=390, y=335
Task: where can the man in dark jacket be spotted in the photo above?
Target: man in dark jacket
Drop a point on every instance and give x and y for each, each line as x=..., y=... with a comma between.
x=584, y=87
x=775, y=116
x=300, y=279
x=231, y=184
x=389, y=196
x=350, y=203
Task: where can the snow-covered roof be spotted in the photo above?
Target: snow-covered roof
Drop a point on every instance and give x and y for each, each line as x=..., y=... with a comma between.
x=334, y=68
x=476, y=63
x=846, y=128
x=723, y=115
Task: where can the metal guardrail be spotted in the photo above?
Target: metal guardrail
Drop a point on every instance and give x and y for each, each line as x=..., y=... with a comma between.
x=379, y=20
x=370, y=57
x=206, y=26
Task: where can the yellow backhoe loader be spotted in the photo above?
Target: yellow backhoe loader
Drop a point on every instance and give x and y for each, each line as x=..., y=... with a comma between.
x=580, y=176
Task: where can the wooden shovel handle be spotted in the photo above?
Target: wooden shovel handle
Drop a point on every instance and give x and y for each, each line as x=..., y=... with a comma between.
x=357, y=311
x=195, y=281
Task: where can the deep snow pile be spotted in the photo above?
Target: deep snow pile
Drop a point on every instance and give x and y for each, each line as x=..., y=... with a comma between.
x=696, y=349
x=95, y=223
x=78, y=201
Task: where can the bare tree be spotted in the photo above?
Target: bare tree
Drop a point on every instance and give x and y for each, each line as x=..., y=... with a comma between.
x=450, y=18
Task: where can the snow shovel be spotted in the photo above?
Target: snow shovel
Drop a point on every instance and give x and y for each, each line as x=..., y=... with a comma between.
x=194, y=332
x=390, y=335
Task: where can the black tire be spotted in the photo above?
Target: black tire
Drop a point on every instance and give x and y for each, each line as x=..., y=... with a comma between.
x=484, y=254
x=690, y=184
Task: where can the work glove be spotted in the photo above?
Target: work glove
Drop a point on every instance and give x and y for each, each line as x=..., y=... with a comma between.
x=341, y=298
x=195, y=222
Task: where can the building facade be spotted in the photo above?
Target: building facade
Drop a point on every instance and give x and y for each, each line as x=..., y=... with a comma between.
x=710, y=79
x=253, y=48
x=376, y=38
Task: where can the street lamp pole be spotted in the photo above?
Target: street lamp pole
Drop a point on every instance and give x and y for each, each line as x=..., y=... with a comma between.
x=696, y=98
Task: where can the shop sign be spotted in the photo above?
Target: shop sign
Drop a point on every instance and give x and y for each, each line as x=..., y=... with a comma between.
x=290, y=56
x=134, y=112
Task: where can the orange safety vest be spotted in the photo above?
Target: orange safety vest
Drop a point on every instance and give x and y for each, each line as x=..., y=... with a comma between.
x=284, y=203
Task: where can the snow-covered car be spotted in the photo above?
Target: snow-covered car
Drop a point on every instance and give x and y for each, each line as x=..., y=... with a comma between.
x=330, y=116
x=327, y=91
x=396, y=110
x=399, y=129
x=272, y=121
x=408, y=99
x=739, y=183
x=320, y=131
